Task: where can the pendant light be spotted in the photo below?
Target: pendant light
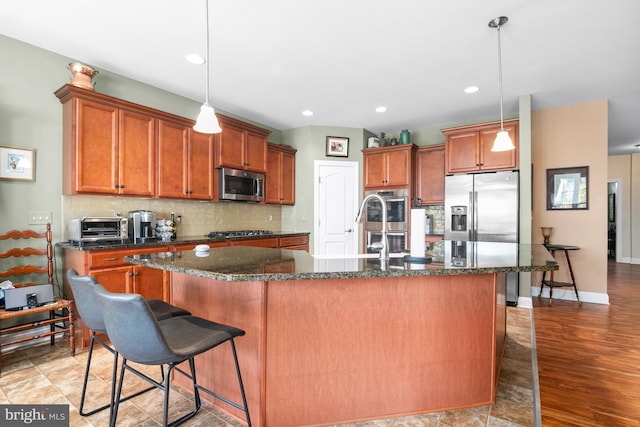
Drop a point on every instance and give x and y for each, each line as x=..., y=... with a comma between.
x=503, y=140
x=207, y=122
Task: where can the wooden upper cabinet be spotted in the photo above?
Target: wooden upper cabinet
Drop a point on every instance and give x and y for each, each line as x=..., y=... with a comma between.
x=468, y=148
x=136, y=154
x=430, y=174
x=91, y=148
x=185, y=162
x=281, y=175
x=241, y=146
x=112, y=146
x=389, y=166
x=106, y=149
x=172, y=159
x=200, y=166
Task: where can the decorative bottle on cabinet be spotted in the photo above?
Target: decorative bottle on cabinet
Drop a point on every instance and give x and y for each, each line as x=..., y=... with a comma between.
x=405, y=136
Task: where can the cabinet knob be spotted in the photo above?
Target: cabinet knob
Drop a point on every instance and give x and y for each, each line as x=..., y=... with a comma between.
x=350, y=230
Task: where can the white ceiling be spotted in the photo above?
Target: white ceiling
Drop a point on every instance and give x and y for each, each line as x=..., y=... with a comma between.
x=272, y=59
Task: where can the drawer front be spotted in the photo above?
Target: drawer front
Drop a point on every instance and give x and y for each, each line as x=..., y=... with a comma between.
x=293, y=241
x=262, y=243
x=101, y=259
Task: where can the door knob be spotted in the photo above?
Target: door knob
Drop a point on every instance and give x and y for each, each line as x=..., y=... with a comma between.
x=349, y=230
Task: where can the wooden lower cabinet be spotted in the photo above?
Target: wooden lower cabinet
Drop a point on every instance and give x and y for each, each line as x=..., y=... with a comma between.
x=271, y=242
x=112, y=272
x=294, y=242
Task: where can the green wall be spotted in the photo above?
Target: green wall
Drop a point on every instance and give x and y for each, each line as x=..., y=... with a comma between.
x=31, y=117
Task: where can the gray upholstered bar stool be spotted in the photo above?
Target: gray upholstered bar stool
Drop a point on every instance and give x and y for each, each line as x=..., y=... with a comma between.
x=164, y=342
x=90, y=310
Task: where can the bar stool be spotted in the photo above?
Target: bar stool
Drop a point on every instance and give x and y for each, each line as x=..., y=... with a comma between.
x=140, y=338
x=90, y=310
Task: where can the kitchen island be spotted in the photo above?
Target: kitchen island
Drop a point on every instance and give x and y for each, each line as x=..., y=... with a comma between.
x=341, y=340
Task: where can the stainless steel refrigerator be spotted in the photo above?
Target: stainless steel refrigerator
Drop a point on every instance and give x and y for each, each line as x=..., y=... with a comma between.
x=484, y=208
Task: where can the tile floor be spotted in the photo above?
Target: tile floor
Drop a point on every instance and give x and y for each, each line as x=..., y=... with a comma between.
x=45, y=374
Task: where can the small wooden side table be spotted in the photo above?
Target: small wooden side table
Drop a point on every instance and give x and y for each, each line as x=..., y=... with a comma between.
x=551, y=283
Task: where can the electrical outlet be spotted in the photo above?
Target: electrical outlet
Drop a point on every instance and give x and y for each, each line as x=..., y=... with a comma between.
x=39, y=217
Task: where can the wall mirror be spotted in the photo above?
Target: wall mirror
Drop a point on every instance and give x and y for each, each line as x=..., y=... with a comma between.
x=567, y=188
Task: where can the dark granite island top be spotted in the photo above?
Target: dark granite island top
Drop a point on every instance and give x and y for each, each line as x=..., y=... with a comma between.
x=239, y=264
x=342, y=340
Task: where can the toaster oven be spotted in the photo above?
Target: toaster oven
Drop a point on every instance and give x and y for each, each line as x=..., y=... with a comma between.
x=92, y=229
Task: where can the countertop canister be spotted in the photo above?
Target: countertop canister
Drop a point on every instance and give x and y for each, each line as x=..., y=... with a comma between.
x=405, y=136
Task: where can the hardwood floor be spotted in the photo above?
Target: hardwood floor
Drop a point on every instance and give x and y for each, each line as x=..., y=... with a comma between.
x=589, y=356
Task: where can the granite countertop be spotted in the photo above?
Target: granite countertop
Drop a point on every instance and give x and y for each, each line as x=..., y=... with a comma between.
x=179, y=241
x=240, y=263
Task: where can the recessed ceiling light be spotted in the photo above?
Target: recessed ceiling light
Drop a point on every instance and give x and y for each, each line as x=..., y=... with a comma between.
x=307, y=113
x=195, y=59
x=471, y=89
x=381, y=109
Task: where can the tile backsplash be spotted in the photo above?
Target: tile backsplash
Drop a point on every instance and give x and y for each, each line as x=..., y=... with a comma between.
x=198, y=218
x=437, y=218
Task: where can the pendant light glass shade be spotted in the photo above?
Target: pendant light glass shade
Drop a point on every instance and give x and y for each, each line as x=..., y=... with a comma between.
x=503, y=140
x=207, y=122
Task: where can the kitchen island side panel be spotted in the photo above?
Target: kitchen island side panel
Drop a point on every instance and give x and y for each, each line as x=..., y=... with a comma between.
x=351, y=350
x=242, y=305
x=321, y=352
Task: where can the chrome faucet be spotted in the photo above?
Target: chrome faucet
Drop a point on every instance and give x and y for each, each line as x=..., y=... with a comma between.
x=384, y=250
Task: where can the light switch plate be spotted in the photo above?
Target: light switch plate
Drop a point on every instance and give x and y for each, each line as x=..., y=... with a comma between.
x=39, y=217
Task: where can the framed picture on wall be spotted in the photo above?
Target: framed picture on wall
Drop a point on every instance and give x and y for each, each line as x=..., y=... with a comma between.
x=568, y=188
x=337, y=146
x=17, y=163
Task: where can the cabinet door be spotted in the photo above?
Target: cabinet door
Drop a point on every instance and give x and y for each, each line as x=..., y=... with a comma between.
x=288, y=179
x=274, y=177
x=374, y=170
x=151, y=283
x=498, y=160
x=172, y=159
x=231, y=147
x=398, y=168
x=430, y=174
x=95, y=166
x=255, y=153
x=137, y=154
x=116, y=279
x=462, y=152
x=200, y=166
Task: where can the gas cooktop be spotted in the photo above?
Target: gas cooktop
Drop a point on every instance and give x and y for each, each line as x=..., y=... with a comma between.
x=237, y=233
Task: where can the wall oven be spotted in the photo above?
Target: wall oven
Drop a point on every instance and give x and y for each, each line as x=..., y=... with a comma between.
x=397, y=211
x=397, y=202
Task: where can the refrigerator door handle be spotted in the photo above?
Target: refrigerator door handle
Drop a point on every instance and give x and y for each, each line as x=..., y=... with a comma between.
x=471, y=216
x=474, y=225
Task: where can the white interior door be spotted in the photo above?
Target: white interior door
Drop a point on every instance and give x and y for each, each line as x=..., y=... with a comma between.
x=336, y=200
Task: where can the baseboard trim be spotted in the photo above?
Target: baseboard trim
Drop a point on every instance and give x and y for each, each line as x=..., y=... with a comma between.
x=569, y=295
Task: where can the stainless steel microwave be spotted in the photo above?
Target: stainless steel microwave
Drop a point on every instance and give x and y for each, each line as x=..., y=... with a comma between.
x=241, y=185
x=91, y=229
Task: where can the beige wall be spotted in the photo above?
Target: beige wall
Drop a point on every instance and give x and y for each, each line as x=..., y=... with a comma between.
x=573, y=136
